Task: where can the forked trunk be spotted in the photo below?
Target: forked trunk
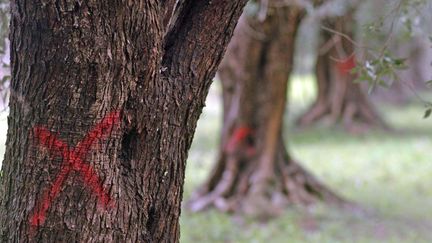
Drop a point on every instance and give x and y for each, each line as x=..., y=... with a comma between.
x=254, y=174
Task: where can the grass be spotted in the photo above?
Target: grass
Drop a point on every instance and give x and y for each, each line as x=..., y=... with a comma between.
x=390, y=174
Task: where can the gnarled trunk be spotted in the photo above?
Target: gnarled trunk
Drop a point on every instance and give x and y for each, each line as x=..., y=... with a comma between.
x=105, y=100
x=339, y=98
x=254, y=173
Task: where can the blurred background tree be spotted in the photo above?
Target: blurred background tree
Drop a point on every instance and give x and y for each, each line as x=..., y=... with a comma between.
x=254, y=173
x=339, y=97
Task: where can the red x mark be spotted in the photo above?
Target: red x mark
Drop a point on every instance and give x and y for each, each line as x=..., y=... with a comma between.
x=73, y=161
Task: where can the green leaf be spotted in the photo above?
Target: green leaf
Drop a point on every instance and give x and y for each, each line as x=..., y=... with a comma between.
x=428, y=112
x=4, y=79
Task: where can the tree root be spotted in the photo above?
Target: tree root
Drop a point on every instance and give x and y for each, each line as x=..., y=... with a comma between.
x=241, y=188
x=355, y=117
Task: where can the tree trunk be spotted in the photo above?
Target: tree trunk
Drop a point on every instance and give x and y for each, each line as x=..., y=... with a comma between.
x=254, y=174
x=105, y=100
x=339, y=98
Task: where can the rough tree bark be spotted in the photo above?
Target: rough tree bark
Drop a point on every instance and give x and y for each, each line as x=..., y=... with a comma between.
x=254, y=174
x=139, y=69
x=339, y=98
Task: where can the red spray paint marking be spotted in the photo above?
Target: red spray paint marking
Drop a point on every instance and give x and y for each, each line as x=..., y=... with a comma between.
x=74, y=161
x=345, y=66
x=238, y=136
